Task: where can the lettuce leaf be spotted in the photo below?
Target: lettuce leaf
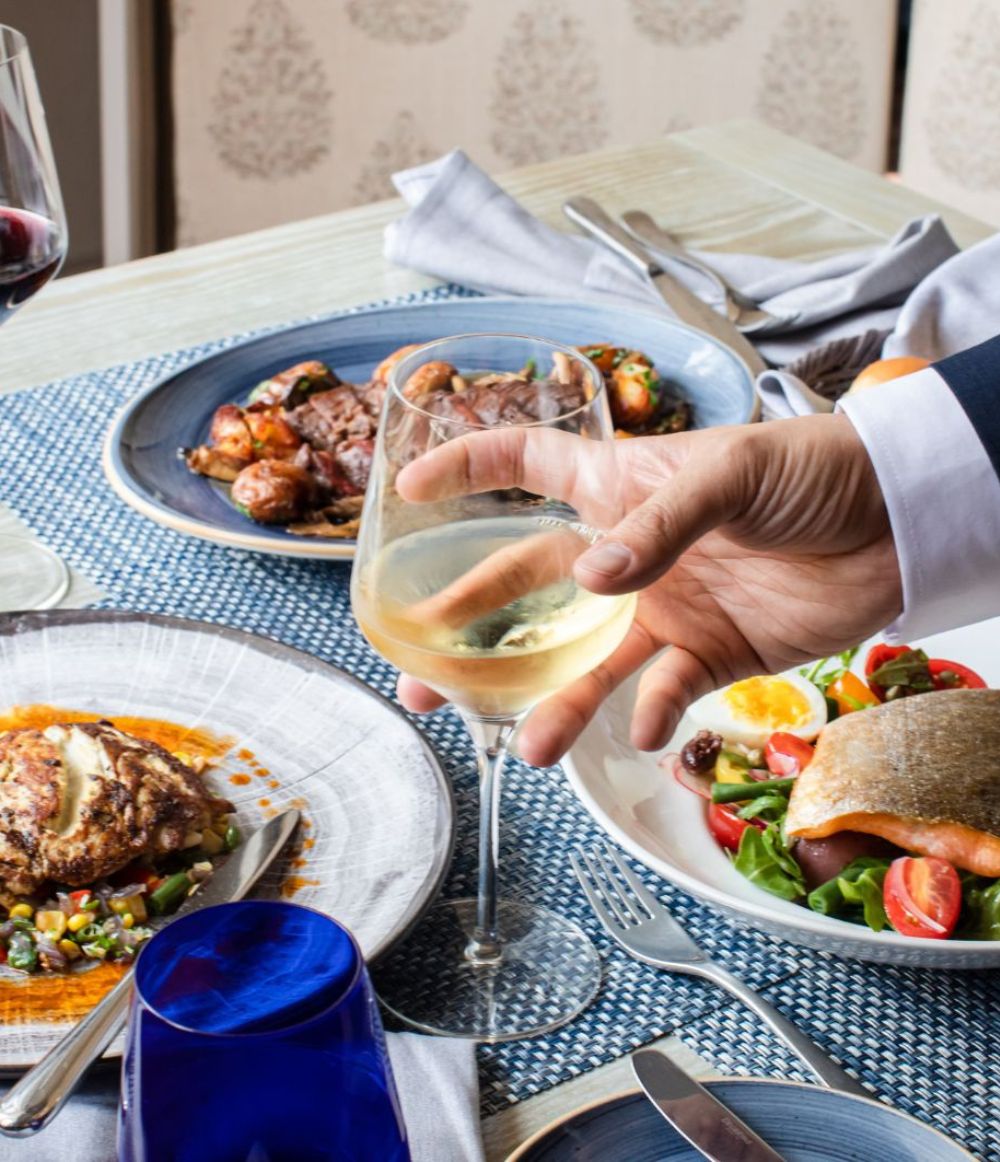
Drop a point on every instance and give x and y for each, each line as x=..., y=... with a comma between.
x=980, y=918
x=765, y=860
x=855, y=894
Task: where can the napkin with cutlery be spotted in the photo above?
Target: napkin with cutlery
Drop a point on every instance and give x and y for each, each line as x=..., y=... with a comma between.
x=435, y=1078
x=462, y=227
x=956, y=306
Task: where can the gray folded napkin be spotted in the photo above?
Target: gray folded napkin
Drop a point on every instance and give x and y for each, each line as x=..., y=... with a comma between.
x=956, y=306
x=462, y=227
x=435, y=1077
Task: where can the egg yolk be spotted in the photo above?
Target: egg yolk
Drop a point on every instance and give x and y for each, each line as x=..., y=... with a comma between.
x=768, y=702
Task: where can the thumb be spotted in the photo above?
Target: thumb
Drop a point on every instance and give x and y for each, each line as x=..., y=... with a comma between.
x=704, y=493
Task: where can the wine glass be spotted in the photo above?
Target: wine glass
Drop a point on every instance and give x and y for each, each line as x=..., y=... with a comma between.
x=475, y=596
x=33, y=241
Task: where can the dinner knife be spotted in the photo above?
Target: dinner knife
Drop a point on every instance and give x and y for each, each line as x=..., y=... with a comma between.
x=701, y=1119
x=588, y=215
x=34, y=1101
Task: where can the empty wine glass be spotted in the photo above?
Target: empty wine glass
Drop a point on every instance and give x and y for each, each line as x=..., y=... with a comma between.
x=475, y=596
x=33, y=241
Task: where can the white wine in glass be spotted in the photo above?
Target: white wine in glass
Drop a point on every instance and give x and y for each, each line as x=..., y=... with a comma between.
x=475, y=596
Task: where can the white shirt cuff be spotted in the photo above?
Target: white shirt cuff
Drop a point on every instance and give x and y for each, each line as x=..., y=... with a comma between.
x=943, y=499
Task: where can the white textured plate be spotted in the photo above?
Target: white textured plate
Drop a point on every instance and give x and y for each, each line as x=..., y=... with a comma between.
x=377, y=805
x=663, y=824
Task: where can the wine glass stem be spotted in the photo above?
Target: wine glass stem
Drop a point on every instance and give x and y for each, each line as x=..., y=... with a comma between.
x=491, y=737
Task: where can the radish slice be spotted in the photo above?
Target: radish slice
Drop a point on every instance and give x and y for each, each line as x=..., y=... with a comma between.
x=700, y=784
x=756, y=775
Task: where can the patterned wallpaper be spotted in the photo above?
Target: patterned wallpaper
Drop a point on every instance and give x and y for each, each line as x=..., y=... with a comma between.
x=951, y=116
x=288, y=108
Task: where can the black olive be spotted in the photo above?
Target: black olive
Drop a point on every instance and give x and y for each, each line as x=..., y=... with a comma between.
x=698, y=755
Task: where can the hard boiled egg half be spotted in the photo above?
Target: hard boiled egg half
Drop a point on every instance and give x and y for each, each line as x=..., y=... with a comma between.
x=751, y=710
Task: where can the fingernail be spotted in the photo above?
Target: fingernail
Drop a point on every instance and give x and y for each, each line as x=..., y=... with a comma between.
x=609, y=558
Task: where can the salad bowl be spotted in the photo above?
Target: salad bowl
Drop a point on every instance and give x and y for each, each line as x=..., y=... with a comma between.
x=662, y=823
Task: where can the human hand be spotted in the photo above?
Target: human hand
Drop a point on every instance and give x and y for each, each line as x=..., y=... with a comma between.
x=753, y=547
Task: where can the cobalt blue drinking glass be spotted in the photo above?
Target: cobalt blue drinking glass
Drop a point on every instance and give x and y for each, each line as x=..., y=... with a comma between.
x=255, y=1037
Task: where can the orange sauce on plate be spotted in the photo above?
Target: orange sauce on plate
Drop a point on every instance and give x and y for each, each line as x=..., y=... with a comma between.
x=170, y=735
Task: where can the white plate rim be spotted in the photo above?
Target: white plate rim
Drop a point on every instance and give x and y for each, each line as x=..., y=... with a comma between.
x=12, y=624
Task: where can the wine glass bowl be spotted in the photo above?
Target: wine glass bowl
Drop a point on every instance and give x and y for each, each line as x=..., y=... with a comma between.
x=33, y=240
x=475, y=596
x=33, y=235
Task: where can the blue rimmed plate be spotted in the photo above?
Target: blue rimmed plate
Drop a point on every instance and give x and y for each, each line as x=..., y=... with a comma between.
x=141, y=456
x=802, y=1122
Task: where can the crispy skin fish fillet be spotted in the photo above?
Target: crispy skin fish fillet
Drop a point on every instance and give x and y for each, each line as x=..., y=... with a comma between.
x=80, y=801
x=922, y=772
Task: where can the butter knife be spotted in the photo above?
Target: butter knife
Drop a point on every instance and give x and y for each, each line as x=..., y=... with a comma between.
x=701, y=1119
x=40, y=1094
x=588, y=215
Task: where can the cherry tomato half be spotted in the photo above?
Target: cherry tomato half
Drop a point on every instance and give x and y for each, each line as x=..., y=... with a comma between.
x=850, y=693
x=787, y=756
x=877, y=657
x=922, y=896
x=726, y=826
x=953, y=676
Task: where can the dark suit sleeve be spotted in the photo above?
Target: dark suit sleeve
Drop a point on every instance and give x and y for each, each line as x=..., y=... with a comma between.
x=974, y=377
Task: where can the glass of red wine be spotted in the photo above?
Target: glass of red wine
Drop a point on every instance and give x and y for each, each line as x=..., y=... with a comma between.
x=33, y=241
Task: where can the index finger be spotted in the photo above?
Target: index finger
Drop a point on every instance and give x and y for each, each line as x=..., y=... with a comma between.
x=544, y=461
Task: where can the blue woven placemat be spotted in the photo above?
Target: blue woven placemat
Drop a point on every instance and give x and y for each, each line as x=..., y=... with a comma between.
x=926, y=1041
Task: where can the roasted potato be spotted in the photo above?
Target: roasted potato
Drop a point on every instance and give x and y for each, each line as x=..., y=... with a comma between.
x=604, y=356
x=293, y=386
x=381, y=374
x=274, y=491
x=632, y=392
x=433, y=376
x=273, y=438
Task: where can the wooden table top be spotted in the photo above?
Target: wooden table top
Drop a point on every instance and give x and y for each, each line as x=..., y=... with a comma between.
x=738, y=186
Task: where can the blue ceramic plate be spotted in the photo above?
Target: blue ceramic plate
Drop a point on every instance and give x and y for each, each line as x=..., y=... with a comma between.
x=141, y=454
x=802, y=1122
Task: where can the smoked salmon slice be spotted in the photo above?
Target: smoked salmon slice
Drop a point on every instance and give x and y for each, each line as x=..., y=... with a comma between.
x=922, y=772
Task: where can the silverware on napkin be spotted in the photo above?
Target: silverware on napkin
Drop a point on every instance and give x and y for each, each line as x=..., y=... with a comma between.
x=701, y=1119
x=742, y=311
x=34, y=1100
x=586, y=213
x=637, y=920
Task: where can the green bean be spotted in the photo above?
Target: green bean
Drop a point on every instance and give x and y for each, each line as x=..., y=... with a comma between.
x=740, y=792
x=170, y=893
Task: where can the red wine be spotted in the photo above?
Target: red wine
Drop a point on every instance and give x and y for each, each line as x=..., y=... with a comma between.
x=31, y=251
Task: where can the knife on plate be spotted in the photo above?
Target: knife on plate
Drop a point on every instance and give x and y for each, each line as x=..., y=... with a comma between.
x=701, y=1119
x=34, y=1101
x=589, y=216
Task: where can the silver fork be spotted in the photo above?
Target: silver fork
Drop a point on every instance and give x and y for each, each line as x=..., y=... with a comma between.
x=637, y=920
x=741, y=310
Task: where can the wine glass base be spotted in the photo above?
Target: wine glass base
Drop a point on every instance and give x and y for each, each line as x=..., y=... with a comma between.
x=31, y=576
x=548, y=972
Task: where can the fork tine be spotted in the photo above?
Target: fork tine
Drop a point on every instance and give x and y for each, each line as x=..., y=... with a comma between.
x=649, y=901
x=603, y=913
x=612, y=890
x=598, y=880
